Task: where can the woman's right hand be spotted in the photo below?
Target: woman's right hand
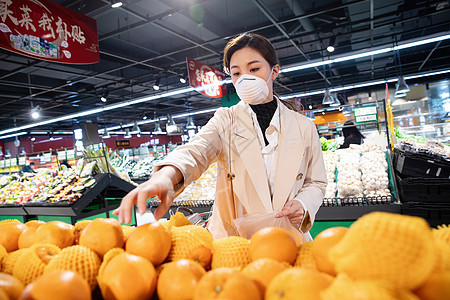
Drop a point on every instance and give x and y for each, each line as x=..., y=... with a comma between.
x=160, y=185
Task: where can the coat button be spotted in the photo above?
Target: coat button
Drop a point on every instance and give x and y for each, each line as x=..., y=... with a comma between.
x=299, y=176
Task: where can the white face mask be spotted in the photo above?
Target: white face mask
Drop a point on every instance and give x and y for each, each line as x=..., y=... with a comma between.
x=252, y=89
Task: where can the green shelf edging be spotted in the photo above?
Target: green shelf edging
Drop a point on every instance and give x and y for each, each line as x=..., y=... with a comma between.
x=20, y=218
x=318, y=226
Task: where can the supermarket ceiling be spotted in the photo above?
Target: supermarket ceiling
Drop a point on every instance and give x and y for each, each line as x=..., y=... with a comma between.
x=146, y=40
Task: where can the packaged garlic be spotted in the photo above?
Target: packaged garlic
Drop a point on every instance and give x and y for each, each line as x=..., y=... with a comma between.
x=374, y=177
x=349, y=182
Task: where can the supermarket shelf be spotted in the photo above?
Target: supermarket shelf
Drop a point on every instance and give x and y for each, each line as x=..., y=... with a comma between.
x=12, y=210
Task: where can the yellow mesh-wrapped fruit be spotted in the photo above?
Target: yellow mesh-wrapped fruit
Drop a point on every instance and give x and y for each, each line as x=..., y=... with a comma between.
x=442, y=233
x=78, y=259
x=179, y=219
x=10, y=260
x=344, y=287
x=231, y=252
x=305, y=258
x=31, y=264
x=127, y=231
x=186, y=239
x=386, y=246
x=3, y=253
x=9, y=221
x=165, y=224
x=107, y=257
x=443, y=256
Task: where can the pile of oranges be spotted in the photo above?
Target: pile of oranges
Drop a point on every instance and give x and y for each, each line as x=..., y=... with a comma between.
x=381, y=256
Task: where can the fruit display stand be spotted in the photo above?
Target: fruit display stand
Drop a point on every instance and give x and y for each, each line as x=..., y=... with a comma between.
x=105, y=196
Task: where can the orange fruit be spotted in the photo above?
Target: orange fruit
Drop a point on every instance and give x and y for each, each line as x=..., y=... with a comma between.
x=11, y=286
x=9, y=235
x=305, y=258
x=55, y=232
x=31, y=264
x=58, y=285
x=26, y=238
x=322, y=244
x=127, y=276
x=3, y=253
x=201, y=255
x=78, y=228
x=371, y=249
x=178, y=279
x=3, y=295
x=436, y=287
x=262, y=271
x=226, y=283
x=186, y=239
x=442, y=233
x=230, y=252
x=10, y=260
x=101, y=235
x=443, y=256
x=79, y=259
x=107, y=257
x=275, y=243
x=297, y=283
x=151, y=241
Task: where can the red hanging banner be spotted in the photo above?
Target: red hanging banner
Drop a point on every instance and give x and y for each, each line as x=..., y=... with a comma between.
x=48, y=31
x=206, y=79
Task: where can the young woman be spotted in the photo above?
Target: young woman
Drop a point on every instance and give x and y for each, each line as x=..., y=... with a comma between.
x=269, y=157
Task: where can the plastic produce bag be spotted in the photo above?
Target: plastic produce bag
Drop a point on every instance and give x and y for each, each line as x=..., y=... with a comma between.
x=247, y=225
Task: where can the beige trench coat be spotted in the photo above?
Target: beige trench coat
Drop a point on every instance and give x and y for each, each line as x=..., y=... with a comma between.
x=229, y=137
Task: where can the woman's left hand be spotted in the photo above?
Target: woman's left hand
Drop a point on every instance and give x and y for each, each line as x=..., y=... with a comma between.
x=293, y=210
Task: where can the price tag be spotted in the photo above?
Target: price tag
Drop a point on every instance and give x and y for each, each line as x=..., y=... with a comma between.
x=22, y=160
x=48, y=157
x=2, y=163
x=71, y=154
x=61, y=155
x=13, y=162
x=7, y=163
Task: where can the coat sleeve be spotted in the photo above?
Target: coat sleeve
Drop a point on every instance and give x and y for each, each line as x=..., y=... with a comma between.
x=193, y=158
x=313, y=190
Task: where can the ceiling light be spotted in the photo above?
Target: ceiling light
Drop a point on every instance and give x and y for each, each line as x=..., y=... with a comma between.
x=106, y=135
x=144, y=117
x=183, y=79
x=35, y=115
x=35, y=112
x=402, y=87
x=399, y=94
x=156, y=85
x=310, y=115
x=127, y=133
x=158, y=129
x=139, y=134
x=190, y=123
x=331, y=45
x=116, y=4
x=136, y=127
x=335, y=101
x=33, y=138
x=327, y=99
x=104, y=97
x=310, y=106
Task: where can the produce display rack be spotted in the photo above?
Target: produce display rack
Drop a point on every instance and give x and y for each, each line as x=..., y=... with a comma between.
x=108, y=186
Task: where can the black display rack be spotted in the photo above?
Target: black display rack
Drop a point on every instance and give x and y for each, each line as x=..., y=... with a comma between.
x=108, y=187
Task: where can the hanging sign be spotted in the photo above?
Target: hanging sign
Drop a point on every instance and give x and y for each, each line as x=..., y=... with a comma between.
x=366, y=114
x=45, y=30
x=206, y=79
x=122, y=143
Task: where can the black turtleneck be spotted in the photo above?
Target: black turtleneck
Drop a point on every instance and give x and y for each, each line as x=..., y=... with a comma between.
x=264, y=114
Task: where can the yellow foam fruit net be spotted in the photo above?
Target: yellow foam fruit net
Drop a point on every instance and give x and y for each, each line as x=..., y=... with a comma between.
x=9, y=221
x=186, y=239
x=179, y=219
x=107, y=257
x=127, y=231
x=443, y=256
x=386, y=246
x=442, y=233
x=3, y=253
x=231, y=252
x=31, y=264
x=10, y=260
x=305, y=258
x=344, y=287
x=79, y=259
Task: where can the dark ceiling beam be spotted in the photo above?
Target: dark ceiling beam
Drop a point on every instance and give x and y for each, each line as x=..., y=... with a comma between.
x=261, y=6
